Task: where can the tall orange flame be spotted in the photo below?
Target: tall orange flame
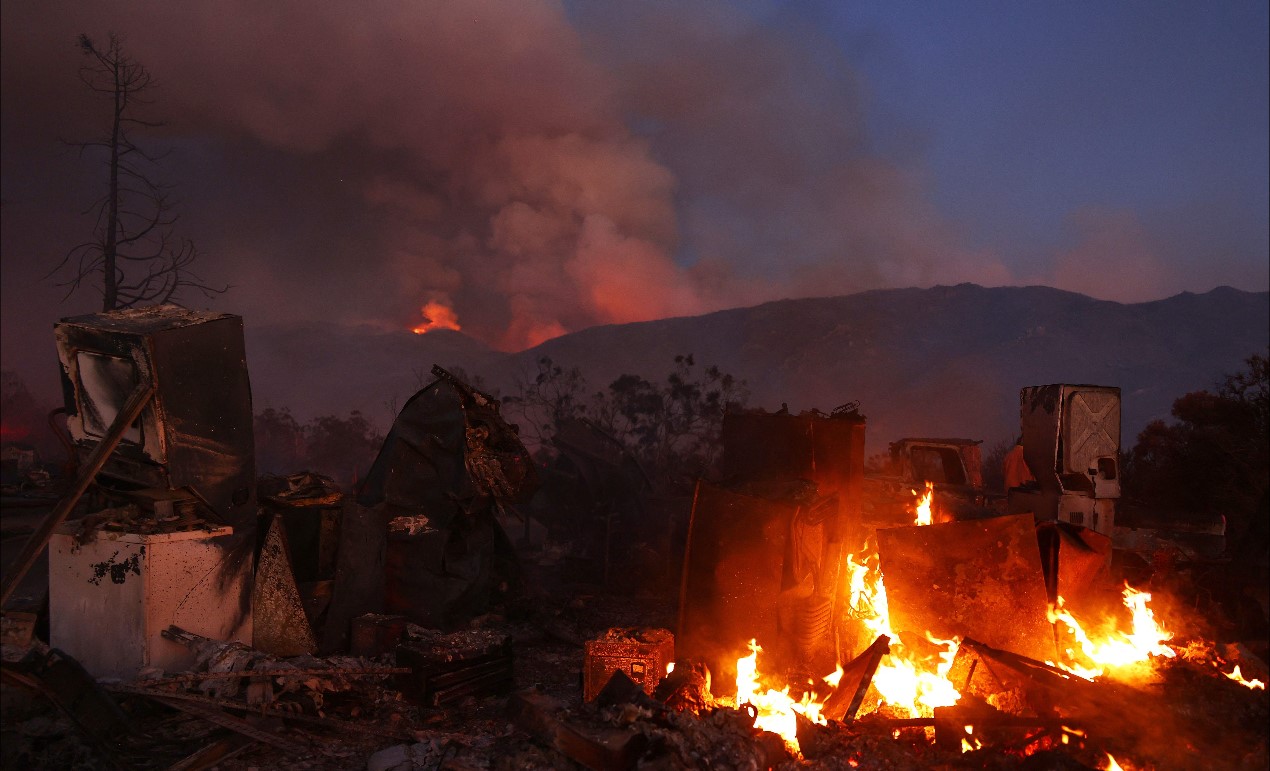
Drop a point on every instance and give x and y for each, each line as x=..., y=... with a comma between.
x=775, y=710
x=923, y=505
x=905, y=680
x=437, y=315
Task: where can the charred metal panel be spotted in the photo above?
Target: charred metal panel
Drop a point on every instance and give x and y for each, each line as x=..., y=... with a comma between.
x=825, y=449
x=1078, y=562
x=197, y=433
x=980, y=579
x=733, y=578
x=447, y=462
x=281, y=626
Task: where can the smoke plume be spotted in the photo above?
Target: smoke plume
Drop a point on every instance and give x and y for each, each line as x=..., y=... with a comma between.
x=533, y=169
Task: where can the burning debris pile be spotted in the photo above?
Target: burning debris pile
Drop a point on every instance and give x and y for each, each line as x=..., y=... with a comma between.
x=199, y=623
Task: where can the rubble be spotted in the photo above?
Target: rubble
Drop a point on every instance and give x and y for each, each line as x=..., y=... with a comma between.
x=465, y=657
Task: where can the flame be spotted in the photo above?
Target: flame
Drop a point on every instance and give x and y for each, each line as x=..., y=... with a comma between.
x=437, y=315
x=1115, y=650
x=905, y=680
x=775, y=711
x=966, y=746
x=1112, y=765
x=670, y=668
x=1238, y=678
x=923, y=505
x=1069, y=732
x=836, y=677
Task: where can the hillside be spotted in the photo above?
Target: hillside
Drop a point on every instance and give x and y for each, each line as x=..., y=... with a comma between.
x=939, y=361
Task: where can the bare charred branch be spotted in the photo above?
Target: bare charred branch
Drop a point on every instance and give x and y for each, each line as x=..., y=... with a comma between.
x=134, y=252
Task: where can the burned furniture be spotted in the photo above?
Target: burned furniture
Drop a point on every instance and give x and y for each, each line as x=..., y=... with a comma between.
x=640, y=654
x=194, y=439
x=445, y=669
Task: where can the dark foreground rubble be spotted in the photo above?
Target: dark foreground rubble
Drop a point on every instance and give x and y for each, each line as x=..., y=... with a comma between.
x=240, y=709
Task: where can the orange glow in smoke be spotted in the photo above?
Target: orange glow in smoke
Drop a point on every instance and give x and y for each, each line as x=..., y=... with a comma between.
x=437, y=315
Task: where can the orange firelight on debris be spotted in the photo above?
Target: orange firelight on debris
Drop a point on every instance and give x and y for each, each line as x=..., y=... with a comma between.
x=923, y=505
x=775, y=710
x=1114, y=650
x=904, y=680
x=1239, y=678
x=437, y=315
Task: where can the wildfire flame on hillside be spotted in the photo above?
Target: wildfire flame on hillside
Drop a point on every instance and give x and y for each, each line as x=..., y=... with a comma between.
x=437, y=315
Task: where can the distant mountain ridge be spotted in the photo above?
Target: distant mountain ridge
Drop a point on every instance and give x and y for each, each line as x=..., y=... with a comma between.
x=948, y=360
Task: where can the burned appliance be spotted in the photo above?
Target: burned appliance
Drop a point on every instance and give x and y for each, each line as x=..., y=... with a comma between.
x=194, y=439
x=1071, y=443
x=955, y=462
x=179, y=548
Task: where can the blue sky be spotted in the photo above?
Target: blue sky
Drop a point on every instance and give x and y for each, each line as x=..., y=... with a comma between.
x=1030, y=109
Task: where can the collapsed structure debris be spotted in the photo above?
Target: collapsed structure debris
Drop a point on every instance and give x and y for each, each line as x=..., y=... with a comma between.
x=202, y=623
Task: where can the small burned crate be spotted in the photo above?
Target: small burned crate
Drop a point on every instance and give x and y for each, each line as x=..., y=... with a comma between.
x=447, y=668
x=641, y=653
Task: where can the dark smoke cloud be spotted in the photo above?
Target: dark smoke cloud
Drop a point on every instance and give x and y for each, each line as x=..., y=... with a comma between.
x=538, y=167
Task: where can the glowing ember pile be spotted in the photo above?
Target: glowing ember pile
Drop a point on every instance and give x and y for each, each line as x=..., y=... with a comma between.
x=1119, y=654
x=912, y=681
x=905, y=681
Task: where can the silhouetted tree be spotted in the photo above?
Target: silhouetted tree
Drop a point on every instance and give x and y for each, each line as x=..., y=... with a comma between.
x=672, y=428
x=133, y=247
x=341, y=448
x=544, y=398
x=1214, y=459
x=279, y=442
x=994, y=466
